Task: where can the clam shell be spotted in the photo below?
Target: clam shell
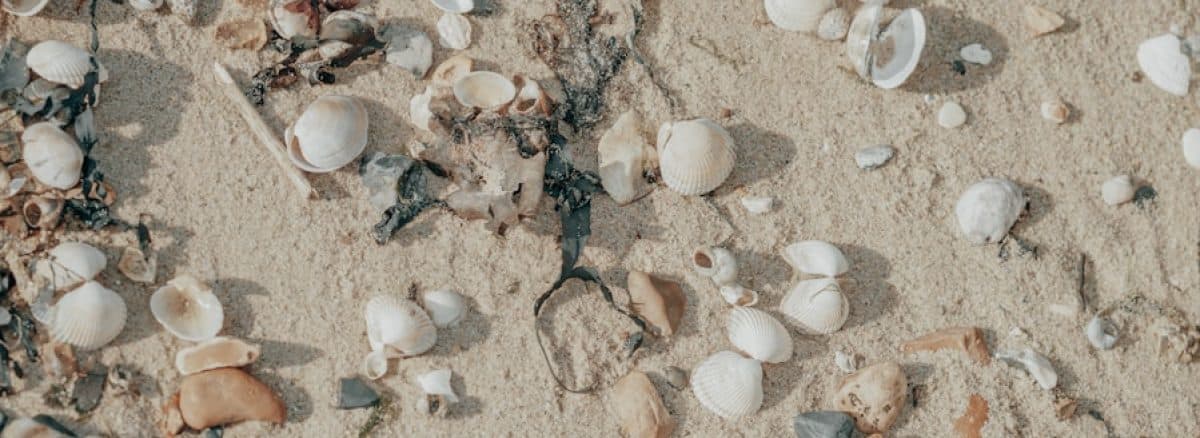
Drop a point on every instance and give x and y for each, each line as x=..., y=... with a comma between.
x=455, y=6
x=695, y=156
x=399, y=325
x=817, y=258
x=53, y=157
x=88, y=317
x=797, y=15
x=71, y=263
x=42, y=211
x=1191, y=147
x=622, y=152
x=219, y=352
x=330, y=133
x=988, y=209
x=24, y=8
x=485, y=90
x=454, y=31
x=375, y=365
x=816, y=305
x=728, y=384
x=62, y=63
x=717, y=264
x=437, y=382
x=885, y=58
x=759, y=335
x=1162, y=60
x=188, y=309
x=292, y=18
x=446, y=308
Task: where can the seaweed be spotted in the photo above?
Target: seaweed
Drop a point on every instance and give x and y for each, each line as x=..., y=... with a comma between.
x=412, y=201
x=294, y=67
x=5, y=381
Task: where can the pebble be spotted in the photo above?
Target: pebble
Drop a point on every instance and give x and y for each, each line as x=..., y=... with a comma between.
x=676, y=377
x=757, y=204
x=1118, y=190
x=873, y=157
x=976, y=54
x=874, y=396
x=825, y=424
x=1041, y=21
x=1055, y=111
x=88, y=390
x=1191, y=147
x=952, y=115
x=355, y=394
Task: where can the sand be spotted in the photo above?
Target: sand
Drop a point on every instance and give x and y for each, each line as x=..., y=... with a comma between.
x=294, y=275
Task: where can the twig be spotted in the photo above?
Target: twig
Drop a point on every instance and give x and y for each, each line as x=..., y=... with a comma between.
x=1082, y=281
x=266, y=138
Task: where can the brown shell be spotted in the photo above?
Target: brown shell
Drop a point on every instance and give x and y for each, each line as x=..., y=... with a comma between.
x=227, y=396
x=639, y=408
x=660, y=302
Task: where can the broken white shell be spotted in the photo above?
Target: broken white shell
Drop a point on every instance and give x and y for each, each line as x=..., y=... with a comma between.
x=816, y=305
x=816, y=257
x=409, y=49
x=52, y=155
x=137, y=266
x=695, y=156
x=622, y=152
x=146, y=5
x=292, y=18
x=455, y=6
x=976, y=54
x=759, y=335
x=454, y=31
x=375, y=365
x=1191, y=147
x=330, y=133
x=451, y=70
x=728, y=384
x=887, y=59
x=437, y=382
x=42, y=211
x=1101, y=333
x=797, y=15
x=1164, y=63
x=845, y=362
x=952, y=115
x=834, y=25
x=188, y=309
x=446, y=308
x=62, y=63
x=1037, y=365
x=530, y=99
x=1118, y=190
x=88, y=317
x=218, y=352
x=988, y=209
x=757, y=204
x=419, y=111
x=1055, y=111
x=717, y=264
x=24, y=8
x=737, y=295
x=485, y=90
x=71, y=263
x=399, y=325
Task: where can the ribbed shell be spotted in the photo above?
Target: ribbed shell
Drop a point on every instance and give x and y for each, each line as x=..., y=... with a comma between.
x=797, y=15
x=88, y=317
x=817, y=305
x=728, y=384
x=445, y=308
x=484, y=89
x=61, y=63
x=817, y=258
x=1163, y=62
x=759, y=335
x=330, y=134
x=25, y=8
x=399, y=324
x=988, y=209
x=74, y=262
x=695, y=156
x=188, y=309
x=52, y=155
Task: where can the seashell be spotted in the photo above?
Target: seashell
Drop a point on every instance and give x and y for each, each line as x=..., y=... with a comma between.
x=728, y=384
x=1191, y=147
x=716, y=263
x=227, y=396
x=32, y=428
x=1037, y=365
x=757, y=204
x=975, y=54
x=294, y=18
x=62, y=63
x=885, y=58
x=1118, y=190
x=39, y=89
x=834, y=25
x=53, y=157
x=737, y=295
x=188, y=309
x=249, y=34
x=137, y=266
x=485, y=90
x=973, y=419
x=146, y=5
x=1101, y=333
x=622, y=152
x=759, y=335
x=418, y=109
x=375, y=365
x=951, y=115
x=400, y=325
x=330, y=133
x=873, y=157
x=88, y=317
x=531, y=99
x=1056, y=111
x=24, y=8
x=455, y=6
x=639, y=409
x=874, y=396
x=218, y=352
x=454, y=31
x=816, y=257
x=817, y=305
x=825, y=424
x=797, y=15
x=437, y=382
x=409, y=49
x=42, y=211
x=354, y=27
x=1041, y=21
x=446, y=308
x=71, y=263
x=968, y=339
x=695, y=156
x=1162, y=60
x=660, y=302
x=451, y=70
x=845, y=362
x=988, y=209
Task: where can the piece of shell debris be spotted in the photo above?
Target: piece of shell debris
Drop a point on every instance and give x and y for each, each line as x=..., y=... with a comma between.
x=247, y=34
x=873, y=157
x=976, y=54
x=952, y=115
x=846, y=362
x=834, y=25
x=1101, y=333
x=1118, y=190
x=1055, y=111
x=1041, y=21
x=968, y=339
x=971, y=421
x=757, y=204
x=1037, y=365
x=1064, y=408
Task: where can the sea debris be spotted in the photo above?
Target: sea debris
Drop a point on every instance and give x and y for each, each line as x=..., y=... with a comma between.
x=1191, y=147
x=354, y=393
x=951, y=115
x=889, y=57
x=873, y=157
x=225, y=396
x=973, y=419
x=639, y=409
x=1041, y=21
x=798, y=15
x=1056, y=111
x=446, y=308
x=1164, y=63
x=85, y=395
x=624, y=157
x=330, y=134
x=757, y=204
x=874, y=396
x=988, y=209
x=1144, y=195
x=218, y=352
x=968, y=339
x=759, y=335
x=1101, y=333
x=438, y=393
x=659, y=302
x=825, y=424
x=1117, y=190
x=719, y=265
x=188, y=309
x=728, y=384
x=976, y=54
x=1037, y=365
x=694, y=156
x=834, y=25
x=408, y=48
x=846, y=362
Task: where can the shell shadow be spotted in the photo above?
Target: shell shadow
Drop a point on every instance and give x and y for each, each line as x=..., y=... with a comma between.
x=239, y=314
x=1041, y=204
x=468, y=405
x=107, y=12
x=283, y=354
x=763, y=272
x=616, y=228
x=947, y=31
x=297, y=399
x=871, y=296
x=917, y=374
x=472, y=330
x=762, y=154
x=778, y=384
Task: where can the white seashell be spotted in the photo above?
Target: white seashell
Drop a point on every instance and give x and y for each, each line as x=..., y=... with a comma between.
x=437, y=382
x=717, y=264
x=409, y=49
x=695, y=156
x=845, y=362
x=622, y=154
x=399, y=325
x=330, y=133
x=218, y=352
x=951, y=115
x=728, y=384
x=146, y=5
x=976, y=54
x=1037, y=365
x=455, y=6
x=873, y=157
x=1162, y=60
x=834, y=25
x=485, y=90
x=797, y=15
x=39, y=89
x=446, y=308
x=816, y=257
x=757, y=204
x=1118, y=190
x=294, y=18
x=530, y=99
x=419, y=111
x=52, y=155
x=737, y=295
x=375, y=365
x=816, y=305
x=24, y=8
x=62, y=63
x=988, y=209
x=759, y=335
x=451, y=70
x=885, y=58
x=88, y=317
x=137, y=266
x=1101, y=333
x=188, y=309
x=1191, y=147
x=42, y=211
x=71, y=263
x=1055, y=111
x=454, y=31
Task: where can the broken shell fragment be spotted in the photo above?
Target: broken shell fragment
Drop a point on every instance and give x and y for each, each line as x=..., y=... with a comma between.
x=455, y=6
x=409, y=49
x=1056, y=111
x=330, y=133
x=446, y=308
x=188, y=309
x=951, y=115
x=248, y=34
x=988, y=209
x=834, y=25
x=399, y=325
x=728, y=384
x=42, y=211
x=757, y=204
x=885, y=58
x=846, y=362
x=375, y=365
x=718, y=264
x=874, y=396
x=660, y=302
x=975, y=54
x=1101, y=333
x=759, y=335
x=146, y=5
x=531, y=99
x=971, y=421
x=1191, y=147
x=485, y=90
x=227, y=396
x=454, y=31
x=797, y=15
x=62, y=63
x=451, y=70
x=137, y=266
x=639, y=408
x=1118, y=190
x=419, y=111
x=71, y=263
x=825, y=424
x=816, y=257
x=52, y=155
x=294, y=18
x=437, y=382
x=738, y=295
x=24, y=8
x=1041, y=21
x=816, y=305
x=1038, y=366
x=88, y=317
x=218, y=352
x=873, y=157
x=695, y=156
x=1164, y=63
x=968, y=339
x=622, y=153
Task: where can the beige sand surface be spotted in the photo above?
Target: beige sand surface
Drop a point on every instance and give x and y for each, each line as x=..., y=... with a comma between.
x=294, y=275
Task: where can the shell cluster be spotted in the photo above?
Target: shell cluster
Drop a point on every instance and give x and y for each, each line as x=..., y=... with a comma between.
x=817, y=304
x=89, y=315
x=398, y=328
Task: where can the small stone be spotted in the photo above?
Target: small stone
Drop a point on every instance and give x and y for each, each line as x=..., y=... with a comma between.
x=952, y=115
x=1041, y=21
x=1144, y=195
x=873, y=157
x=825, y=424
x=356, y=394
x=1055, y=111
x=676, y=377
x=1037, y=365
x=214, y=432
x=976, y=54
x=86, y=394
x=381, y=175
x=757, y=204
x=639, y=408
x=1191, y=147
x=874, y=396
x=971, y=421
x=1118, y=190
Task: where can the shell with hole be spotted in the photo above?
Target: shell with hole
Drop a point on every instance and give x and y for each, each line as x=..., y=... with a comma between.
x=694, y=156
x=623, y=153
x=437, y=382
x=816, y=257
x=1164, y=63
x=718, y=264
x=728, y=384
x=798, y=15
x=988, y=209
x=53, y=156
x=816, y=305
x=24, y=8
x=531, y=99
x=484, y=90
x=889, y=57
x=71, y=263
x=188, y=309
x=88, y=317
x=446, y=308
x=62, y=63
x=759, y=335
x=330, y=133
x=42, y=211
x=399, y=326
x=454, y=31
x=292, y=18
x=218, y=352
x=455, y=6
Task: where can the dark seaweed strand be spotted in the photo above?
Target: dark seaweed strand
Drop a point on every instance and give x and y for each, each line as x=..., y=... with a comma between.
x=412, y=201
x=5, y=380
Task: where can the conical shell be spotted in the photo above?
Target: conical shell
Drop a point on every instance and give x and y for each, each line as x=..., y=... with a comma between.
x=759, y=335
x=291, y=18
x=717, y=264
x=219, y=352
x=330, y=134
x=885, y=58
x=1162, y=60
x=24, y=8
x=797, y=15
x=62, y=63
x=88, y=317
x=454, y=31
x=399, y=325
x=72, y=263
x=52, y=155
x=188, y=309
x=437, y=382
x=728, y=384
x=485, y=90
x=455, y=6
x=988, y=209
x=816, y=257
x=446, y=308
x=817, y=305
x=695, y=156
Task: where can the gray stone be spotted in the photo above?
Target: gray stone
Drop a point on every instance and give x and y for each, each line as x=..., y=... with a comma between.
x=873, y=157
x=825, y=424
x=355, y=394
x=87, y=391
x=381, y=175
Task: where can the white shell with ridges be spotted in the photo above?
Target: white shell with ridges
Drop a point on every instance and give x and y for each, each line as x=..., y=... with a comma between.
x=695, y=156
x=988, y=209
x=399, y=325
x=1162, y=60
x=375, y=365
x=88, y=317
x=728, y=384
x=759, y=335
x=816, y=257
x=330, y=133
x=446, y=308
x=62, y=63
x=485, y=90
x=797, y=15
x=188, y=309
x=53, y=156
x=816, y=305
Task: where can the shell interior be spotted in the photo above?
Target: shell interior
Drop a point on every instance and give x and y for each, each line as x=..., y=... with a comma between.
x=728, y=384
x=889, y=57
x=188, y=309
x=399, y=325
x=437, y=382
x=375, y=365
x=455, y=6
x=484, y=89
x=445, y=307
x=330, y=134
x=24, y=8
x=817, y=258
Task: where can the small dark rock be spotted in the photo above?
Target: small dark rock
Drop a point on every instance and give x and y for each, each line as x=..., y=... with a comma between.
x=1144, y=195
x=87, y=392
x=50, y=422
x=825, y=424
x=355, y=394
x=381, y=174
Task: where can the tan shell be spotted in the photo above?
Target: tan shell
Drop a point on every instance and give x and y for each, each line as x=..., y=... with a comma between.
x=728, y=384
x=62, y=63
x=484, y=90
x=639, y=409
x=227, y=396
x=188, y=309
x=399, y=325
x=219, y=352
x=138, y=266
x=874, y=396
x=330, y=134
x=816, y=305
x=622, y=153
x=88, y=317
x=695, y=156
x=660, y=302
x=53, y=156
x=968, y=339
x=1041, y=21
x=292, y=18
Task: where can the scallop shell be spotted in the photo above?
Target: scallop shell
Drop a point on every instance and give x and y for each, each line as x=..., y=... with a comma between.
x=42, y=211
x=71, y=263
x=52, y=155
x=759, y=335
x=292, y=18
x=817, y=258
x=816, y=305
x=62, y=63
x=218, y=352
x=446, y=308
x=437, y=382
x=717, y=264
x=146, y=5
x=400, y=325
x=188, y=309
x=728, y=384
x=797, y=15
x=988, y=209
x=455, y=6
x=24, y=8
x=1191, y=147
x=375, y=365
x=330, y=134
x=88, y=317
x=1164, y=63
x=485, y=90
x=454, y=31
x=621, y=153
x=885, y=58
x=695, y=156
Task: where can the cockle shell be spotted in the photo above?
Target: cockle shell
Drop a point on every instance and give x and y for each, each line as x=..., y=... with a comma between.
x=88, y=317
x=728, y=384
x=759, y=335
x=188, y=309
x=988, y=209
x=62, y=63
x=1118, y=190
x=437, y=382
x=1191, y=147
x=695, y=156
x=816, y=257
x=218, y=352
x=53, y=157
x=292, y=18
x=1164, y=63
x=454, y=31
x=817, y=305
x=24, y=8
x=455, y=6
x=146, y=5
x=71, y=263
x=874, y=396
x=485, y=90
x=797, y=15
x=622, y=152
x=716, y=263
x=330, y=133
x=639, y=409
x=1038, y=366
x=409, y=49
x=399, y=325
x=446, y=308
x=885, y=58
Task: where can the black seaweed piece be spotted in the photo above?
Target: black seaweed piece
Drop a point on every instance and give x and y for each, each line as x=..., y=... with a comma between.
x=1144, y=195
x=93, y=213
x=314, y=72
x=5, y=380
x=413, y=200
x=586, y=66
x=49, y=421
x=25, y=333
x=143, y=237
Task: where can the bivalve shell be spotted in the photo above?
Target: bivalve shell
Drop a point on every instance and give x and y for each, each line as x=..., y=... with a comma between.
x=88, y=317
x=816, y=257
x=399, y=325
x=71, y=263
x=728, y=384
x=446, y=308
x=885, y=58
x=485, y=90
x=62, y=63
x=797, y=15
x=817, y=305
x=1164, y=63
x=330, y=134
x=52, y=155
x=988, y=209
x=454, y=31
x=188, y=309
x=292, y=18
x=1118, y=190
x=717, y=264
x=24, y=8
x=759, y=335
x=219, y=352
x=695, y=156
x=437, y=382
